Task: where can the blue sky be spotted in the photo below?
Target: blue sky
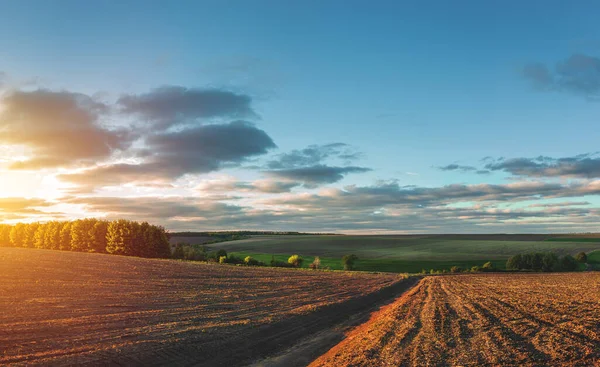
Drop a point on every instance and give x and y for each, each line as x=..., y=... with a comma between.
x=411, y=86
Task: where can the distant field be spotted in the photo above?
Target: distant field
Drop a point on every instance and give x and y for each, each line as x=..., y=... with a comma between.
x=482, y=320
x=400, y=253
x=69, y=308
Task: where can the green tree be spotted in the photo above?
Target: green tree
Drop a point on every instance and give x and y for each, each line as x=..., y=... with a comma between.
x=348, y=261
x=119, y=238
x=97, y=234
x=581, y=257
x=568, y=263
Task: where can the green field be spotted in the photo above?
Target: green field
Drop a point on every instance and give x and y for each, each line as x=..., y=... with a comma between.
x=396, y=253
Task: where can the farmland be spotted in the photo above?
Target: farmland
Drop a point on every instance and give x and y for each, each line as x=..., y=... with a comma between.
x=396, y=253
x=475, y=320
x=62, y=308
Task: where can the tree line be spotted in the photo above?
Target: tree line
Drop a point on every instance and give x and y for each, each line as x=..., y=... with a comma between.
x=119, y=237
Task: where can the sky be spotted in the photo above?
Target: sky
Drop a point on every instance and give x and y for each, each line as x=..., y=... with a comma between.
x=320, y=116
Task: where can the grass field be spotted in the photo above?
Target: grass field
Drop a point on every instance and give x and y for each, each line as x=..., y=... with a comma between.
x=399, y=253
x=69, y=308
x=482, y=320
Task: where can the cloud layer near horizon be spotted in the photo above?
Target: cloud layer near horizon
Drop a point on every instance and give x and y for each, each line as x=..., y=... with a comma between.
x=197, y=159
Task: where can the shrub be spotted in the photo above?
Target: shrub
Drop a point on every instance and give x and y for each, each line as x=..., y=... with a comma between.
x=475, y=269
x=455, y=269
x=348, y=261
x=222, y=259
x=249, y=260
x=581, y=257
x=296, y=261
x=488, y=266
x=316, y=264
x=220, y=253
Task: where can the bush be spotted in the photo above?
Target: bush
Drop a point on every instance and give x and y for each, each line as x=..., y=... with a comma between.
x=348, y=261
x=281, y=264
x=455, y=269
x=296, y=261
x=316, y=264
x=222, y=259
x=488, y=266
x=581, y=257
x=249, y=260
x=475, y=269
x=220, y=253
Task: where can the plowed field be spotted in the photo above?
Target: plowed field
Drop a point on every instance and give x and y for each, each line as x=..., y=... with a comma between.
x=63, y=308
x=482, y=320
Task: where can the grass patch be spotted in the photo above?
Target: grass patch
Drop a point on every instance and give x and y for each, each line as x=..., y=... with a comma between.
x=379, y=265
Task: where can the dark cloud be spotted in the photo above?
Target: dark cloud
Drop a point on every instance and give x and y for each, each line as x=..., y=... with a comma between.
x=313, y=176
x=156, y=208
x=259, y=186
x=170, y=155
x=60, y=128
x=579, y=74
x=307, y=165
x=391, y=193
x=313, y=155
x=174, y=105
x=582, y=166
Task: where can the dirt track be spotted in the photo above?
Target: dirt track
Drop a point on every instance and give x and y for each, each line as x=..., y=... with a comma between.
x=65, y=308
x=482, y=320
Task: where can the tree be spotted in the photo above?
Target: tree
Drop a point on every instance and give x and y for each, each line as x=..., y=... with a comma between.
x=80, y=235
x=295, y=260
x=65, y=237
x=5, y=234
x=515, y=262
x=97, y=236
x=119, y=238
x=29, y=240
x=549, y=261
x=581, y=257
x=568, y=263
x=39, y=238
x=316, y=264
x=348, y=261
x=17, y=235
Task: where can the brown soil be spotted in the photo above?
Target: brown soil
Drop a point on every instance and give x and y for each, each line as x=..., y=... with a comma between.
x=65, y=308
x=482, y=320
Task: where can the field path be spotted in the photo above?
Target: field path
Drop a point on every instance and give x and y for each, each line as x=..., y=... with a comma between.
x=482, y=320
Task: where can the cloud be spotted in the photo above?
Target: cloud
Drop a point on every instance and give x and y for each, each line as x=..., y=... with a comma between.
x=579, y=74
x=169, y=155
x=18, y=208
x=391, y=193
x=313, y=176
x=307, y=165
x=60, y=129
x=581, y=166
x=231, y=184
x=175, y=105
x=457, y=167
